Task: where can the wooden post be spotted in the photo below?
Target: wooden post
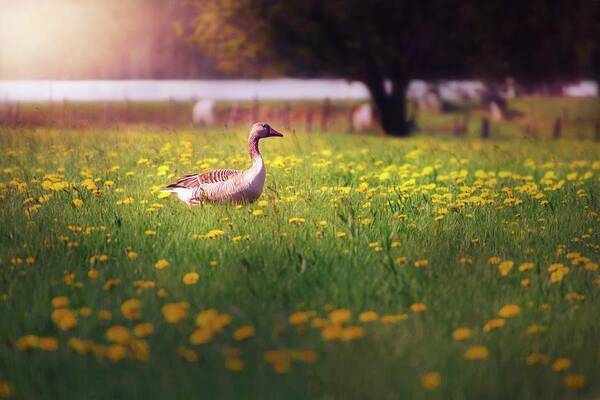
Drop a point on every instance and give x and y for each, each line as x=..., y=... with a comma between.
x=309, y=119
x=466, y=119
x=351, y=118
x=580, y=132
x=485, y=128
x=557, y=128
x=456, y=131
x=325, y=114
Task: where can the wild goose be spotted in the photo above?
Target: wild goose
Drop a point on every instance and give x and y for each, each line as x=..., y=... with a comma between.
x=228, y=185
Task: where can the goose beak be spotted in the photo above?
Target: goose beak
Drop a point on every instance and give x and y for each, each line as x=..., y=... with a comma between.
x=273, y=132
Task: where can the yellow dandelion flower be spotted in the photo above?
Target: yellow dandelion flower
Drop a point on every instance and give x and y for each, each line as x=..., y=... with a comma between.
x=118, y=334
x=509, y=311
x=352, y=332
x=132, y=255
x=150, y=232
x=462, y=333
x=494, y=260
x=27, y=342
x=60, y=302
x=188, y=354
x=493, y=324
x=332, y=332
x=116, y=352
x=77, y=202
x=561, y=364
x=161, y=264
x=535, y=328
x=340, y=316
x=431, y=380
x=401, y=260
x=257, y=213
x=368, y=316
x=299, y=317
x=476, y=353
x=93, y=274
x=175, y=312
x=244, y=332
x=140, y=349
x=421, y=263
x=296, y=220
x=6, y=389
x=65, y=318
x=319, y=323
x=201, y=336
x=205, y=317
x=526, y=266
x=132, y=309
x=190, y=278
x=505, y=267
x=143, y=329
x=418, y=307
x=48, y=343
x=574, y=381
x=537, y=359
x=393, y=318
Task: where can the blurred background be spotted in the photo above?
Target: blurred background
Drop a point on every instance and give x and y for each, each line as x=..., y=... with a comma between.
x=463, y=68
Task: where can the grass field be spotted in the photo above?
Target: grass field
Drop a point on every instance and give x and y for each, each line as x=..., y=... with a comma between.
x=370, y=268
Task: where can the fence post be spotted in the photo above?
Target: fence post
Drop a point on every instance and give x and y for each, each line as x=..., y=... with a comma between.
x=485, y=128
x=325, y=113
x=309, y=119
x=351, y=111
x=557, y=128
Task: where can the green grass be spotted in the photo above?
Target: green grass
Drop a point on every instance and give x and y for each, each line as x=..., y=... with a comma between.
x=511, y=207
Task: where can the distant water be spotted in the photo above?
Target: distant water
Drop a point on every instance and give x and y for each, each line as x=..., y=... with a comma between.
x=160, y=90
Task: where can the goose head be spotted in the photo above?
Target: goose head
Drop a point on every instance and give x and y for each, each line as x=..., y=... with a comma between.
x=262, y=130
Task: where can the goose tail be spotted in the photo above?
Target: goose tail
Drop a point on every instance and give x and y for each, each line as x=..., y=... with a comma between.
x=184, y=194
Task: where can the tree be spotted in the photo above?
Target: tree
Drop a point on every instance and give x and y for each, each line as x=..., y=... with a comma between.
x=386, y=43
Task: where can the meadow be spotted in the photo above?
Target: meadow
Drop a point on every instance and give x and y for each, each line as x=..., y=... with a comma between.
x=371, y=267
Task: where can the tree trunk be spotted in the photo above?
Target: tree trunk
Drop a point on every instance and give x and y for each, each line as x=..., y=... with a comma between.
x=390, y=105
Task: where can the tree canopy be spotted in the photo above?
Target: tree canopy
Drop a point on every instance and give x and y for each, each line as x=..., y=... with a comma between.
x=386, y=43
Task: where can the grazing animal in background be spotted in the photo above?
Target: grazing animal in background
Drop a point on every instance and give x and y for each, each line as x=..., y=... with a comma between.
x=362, y=117
x=228, y=185
x=203, y=112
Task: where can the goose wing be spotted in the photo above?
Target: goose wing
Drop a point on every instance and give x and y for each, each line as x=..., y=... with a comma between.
x=192, y=181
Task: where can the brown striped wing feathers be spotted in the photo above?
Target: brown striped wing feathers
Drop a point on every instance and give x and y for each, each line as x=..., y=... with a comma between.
x=194, y=180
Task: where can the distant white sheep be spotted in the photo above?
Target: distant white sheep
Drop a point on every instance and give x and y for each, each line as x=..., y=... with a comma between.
x=203, y=112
